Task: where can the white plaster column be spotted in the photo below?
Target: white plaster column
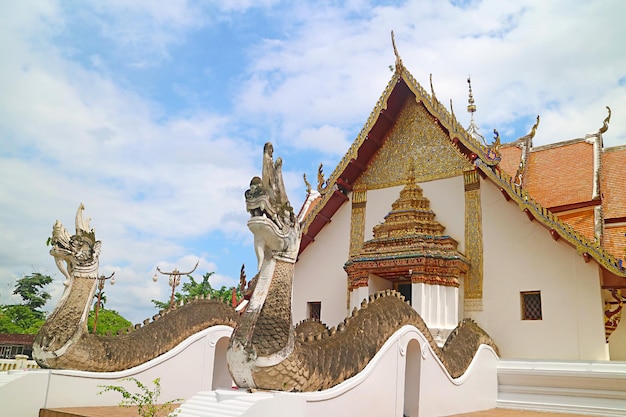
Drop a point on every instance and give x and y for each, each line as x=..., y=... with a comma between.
x=357, y=295
x=438, y=306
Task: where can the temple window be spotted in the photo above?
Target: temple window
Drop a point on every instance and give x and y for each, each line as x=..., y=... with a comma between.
x=531, y=305
x=314, y=310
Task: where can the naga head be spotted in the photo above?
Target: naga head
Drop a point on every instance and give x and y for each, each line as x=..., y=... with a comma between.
x=76, y=255
x=274, y=225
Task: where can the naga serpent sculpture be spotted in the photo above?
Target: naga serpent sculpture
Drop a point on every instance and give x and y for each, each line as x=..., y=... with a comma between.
x=267, y=352
x=64, y=342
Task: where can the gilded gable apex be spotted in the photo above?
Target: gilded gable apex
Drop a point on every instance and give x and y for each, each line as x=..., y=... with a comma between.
x=416, y=140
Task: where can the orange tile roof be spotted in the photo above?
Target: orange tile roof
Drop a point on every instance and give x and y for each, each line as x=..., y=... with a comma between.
x=511, y=156
x=582, y=221
x=615, y=241
x=560, y=174
x=613, y=182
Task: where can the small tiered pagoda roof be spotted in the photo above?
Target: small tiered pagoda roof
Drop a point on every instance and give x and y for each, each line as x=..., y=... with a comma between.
x=409, y=245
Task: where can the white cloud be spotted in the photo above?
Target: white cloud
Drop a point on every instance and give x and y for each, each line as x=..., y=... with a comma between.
x=329, y=139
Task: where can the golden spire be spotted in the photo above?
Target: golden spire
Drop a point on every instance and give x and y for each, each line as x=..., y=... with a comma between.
x=471, y=107
x=473, y=129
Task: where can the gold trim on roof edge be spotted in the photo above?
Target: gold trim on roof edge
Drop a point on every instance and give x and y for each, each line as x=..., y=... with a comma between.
x=551, y=221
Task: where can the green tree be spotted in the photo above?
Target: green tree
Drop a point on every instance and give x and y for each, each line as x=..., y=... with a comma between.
x=103, y=299
x=108, y=321
x=26, y=318
x=30, y=289
x=19, y=319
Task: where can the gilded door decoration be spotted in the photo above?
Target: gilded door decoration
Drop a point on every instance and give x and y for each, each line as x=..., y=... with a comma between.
x=357, y=222
x=473, y=242
x=415, y=140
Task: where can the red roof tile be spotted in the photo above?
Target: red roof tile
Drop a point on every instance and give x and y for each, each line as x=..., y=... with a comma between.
x=16, y=339
x=613, y=186
x=561, y=174
x=511, y=156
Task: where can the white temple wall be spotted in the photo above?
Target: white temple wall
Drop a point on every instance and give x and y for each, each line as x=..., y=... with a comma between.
x=520, y=255
x=319, y=274
x=357, y=295
x=617, y=341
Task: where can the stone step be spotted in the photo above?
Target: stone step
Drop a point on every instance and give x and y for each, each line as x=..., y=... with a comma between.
x=220, y=403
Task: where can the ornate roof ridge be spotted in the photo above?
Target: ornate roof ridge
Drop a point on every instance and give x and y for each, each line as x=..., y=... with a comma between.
x=526, y=203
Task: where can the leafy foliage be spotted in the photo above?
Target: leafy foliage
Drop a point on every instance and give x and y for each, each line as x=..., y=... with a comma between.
x=103, y=299
x=20, y=319
x=26, y=318
x=108, y=321
x=202, y=289
x=146, y=400
x=30, y=288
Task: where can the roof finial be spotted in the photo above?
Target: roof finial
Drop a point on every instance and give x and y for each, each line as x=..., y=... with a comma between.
x=321, y=182
x=451, y=109
x=432, y=90
x=399, y=65
x=534, y=129
x=605, y=123
x=307, y=184
x=471, y=108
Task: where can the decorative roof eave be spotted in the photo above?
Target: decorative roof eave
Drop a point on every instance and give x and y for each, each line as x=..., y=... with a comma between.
x=558, y=228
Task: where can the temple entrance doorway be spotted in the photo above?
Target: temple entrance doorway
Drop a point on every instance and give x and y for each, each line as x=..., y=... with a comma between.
x=405, y=288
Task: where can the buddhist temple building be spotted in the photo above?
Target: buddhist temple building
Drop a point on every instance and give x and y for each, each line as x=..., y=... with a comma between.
x=527, y=241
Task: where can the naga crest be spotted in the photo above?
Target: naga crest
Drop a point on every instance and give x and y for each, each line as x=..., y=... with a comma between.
x=77, y=255
x=273, y=223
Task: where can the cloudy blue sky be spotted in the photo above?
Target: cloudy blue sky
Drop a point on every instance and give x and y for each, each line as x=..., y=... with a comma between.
x=154, y=113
